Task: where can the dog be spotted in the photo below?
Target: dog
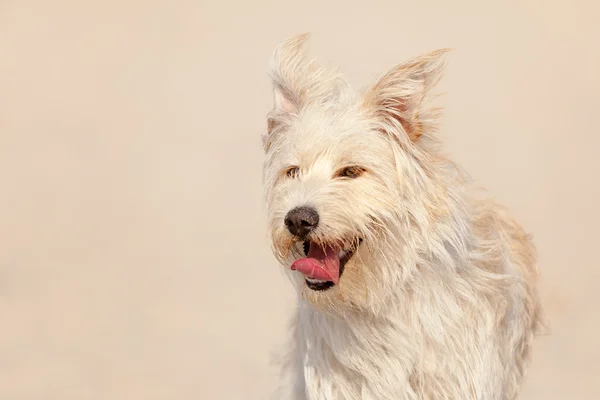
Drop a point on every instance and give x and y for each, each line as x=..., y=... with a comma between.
x=412, y=284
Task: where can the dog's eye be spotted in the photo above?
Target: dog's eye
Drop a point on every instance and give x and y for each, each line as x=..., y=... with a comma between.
x=350, y=172
x=292, y=172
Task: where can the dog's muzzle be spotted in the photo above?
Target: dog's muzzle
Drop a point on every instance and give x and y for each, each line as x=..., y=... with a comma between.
x=323, y=265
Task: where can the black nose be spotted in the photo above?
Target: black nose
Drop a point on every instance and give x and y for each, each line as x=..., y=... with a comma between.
x=300, y=221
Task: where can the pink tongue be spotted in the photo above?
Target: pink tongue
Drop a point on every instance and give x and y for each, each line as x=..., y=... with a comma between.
x=321, y=264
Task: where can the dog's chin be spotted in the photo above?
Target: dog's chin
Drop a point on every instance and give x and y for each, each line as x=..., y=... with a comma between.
x=343, y=256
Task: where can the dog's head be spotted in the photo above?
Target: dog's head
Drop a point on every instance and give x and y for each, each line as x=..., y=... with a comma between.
x=347, y=177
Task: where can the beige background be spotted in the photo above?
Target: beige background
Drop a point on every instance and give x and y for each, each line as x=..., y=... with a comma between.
x=133, y=258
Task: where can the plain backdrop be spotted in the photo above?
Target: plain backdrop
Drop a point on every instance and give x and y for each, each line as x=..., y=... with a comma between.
x=133, y=254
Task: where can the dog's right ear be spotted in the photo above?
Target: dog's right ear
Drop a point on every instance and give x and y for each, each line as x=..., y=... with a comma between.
x=297, y=81
x=286, y=69
x=283, y=109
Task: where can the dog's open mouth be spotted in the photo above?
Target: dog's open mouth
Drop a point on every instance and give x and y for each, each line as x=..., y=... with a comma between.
x=324, y=264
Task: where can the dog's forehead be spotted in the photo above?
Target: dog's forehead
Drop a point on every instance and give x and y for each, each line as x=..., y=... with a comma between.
x=332, y=131
x=328, y=136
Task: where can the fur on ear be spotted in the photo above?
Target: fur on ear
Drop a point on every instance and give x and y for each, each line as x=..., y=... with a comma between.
x=286, y=69
x=399, y=97
x=297, y=82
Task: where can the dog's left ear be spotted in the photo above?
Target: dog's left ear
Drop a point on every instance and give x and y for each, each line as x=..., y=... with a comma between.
x=399, y=96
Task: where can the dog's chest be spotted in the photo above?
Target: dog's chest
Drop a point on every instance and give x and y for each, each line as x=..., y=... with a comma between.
x=354, y=359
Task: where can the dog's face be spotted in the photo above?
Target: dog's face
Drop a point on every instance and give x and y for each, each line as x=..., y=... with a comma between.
x=339, y=167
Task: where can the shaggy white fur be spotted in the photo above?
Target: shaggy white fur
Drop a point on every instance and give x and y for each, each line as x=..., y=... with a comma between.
x=439, y=299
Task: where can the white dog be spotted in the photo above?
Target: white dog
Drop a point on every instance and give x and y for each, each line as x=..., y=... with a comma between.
x=409, y=286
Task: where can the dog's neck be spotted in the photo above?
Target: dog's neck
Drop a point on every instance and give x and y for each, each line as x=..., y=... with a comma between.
x=355, y=353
